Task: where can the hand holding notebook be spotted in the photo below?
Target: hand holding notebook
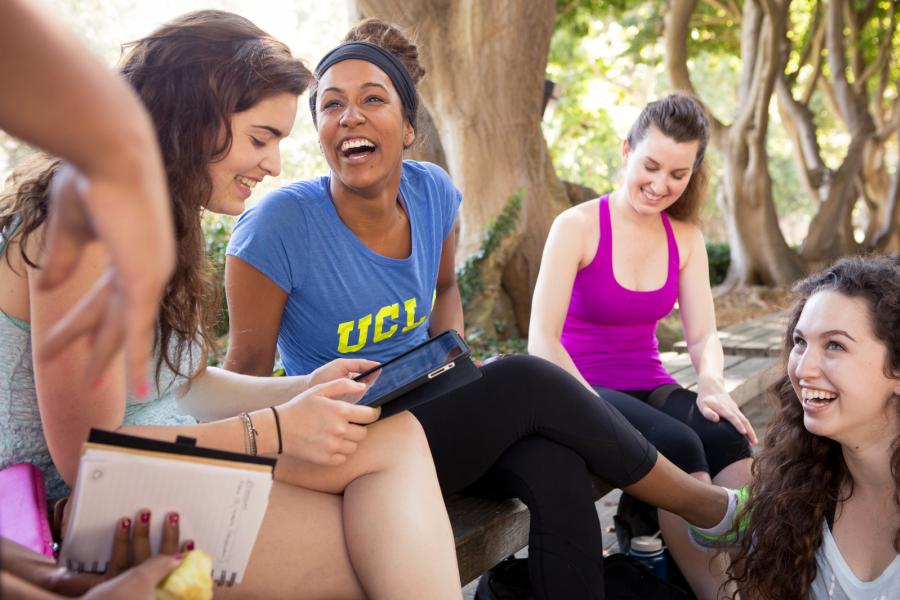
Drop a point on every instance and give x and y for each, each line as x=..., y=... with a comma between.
x=221, y=497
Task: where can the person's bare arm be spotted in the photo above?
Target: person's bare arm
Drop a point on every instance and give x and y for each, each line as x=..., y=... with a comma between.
x=67, y=103
x=255, y=307
x=562, y=257
x=698, y=317
x=447, y=312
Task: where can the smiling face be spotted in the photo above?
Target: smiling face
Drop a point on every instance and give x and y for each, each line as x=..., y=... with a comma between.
x=837, y=369
x=362, y=129
x=254, y=153
x=657, y=171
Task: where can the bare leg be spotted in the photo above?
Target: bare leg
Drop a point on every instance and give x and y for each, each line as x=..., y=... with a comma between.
x=396, y=539
x=300, y=551
x=704, y=572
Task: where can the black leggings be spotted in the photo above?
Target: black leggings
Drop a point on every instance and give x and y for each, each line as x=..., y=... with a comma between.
x=528, y=429
x=680, y=431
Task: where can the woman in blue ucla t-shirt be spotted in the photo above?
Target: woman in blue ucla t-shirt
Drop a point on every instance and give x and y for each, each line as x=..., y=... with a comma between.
x=360, y=263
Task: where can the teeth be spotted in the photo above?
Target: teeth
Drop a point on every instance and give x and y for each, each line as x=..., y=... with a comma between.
x=250, y=183
x=813, y=394
x=356, y=143
x=651, y=195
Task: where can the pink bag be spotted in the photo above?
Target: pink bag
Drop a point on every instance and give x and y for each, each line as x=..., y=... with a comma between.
x=23, y=508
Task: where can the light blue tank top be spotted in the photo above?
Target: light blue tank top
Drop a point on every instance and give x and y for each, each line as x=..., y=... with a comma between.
x=21, y=435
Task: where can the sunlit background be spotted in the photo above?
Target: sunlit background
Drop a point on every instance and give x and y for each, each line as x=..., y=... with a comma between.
x=600, y=89
x=308, y=27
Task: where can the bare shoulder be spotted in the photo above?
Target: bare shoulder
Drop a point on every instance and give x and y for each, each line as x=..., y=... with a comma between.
x=579, y=220
x=689, y=238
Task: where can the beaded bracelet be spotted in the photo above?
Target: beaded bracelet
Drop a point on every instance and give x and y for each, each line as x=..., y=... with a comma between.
x=251, y=433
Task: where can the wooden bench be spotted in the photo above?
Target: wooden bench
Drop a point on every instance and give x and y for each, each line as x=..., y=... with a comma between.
x=487, y=531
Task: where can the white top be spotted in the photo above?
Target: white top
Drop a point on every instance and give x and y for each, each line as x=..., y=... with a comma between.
x=835, y=581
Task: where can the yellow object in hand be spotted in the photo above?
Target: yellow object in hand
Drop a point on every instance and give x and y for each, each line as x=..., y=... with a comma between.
x=191, y=580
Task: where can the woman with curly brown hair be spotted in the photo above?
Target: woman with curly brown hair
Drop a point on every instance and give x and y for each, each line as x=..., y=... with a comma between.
x=355, y=510
x=824, y=503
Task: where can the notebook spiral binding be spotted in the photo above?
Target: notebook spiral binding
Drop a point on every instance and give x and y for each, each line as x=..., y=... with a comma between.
x=80, y=567
x=225, y=578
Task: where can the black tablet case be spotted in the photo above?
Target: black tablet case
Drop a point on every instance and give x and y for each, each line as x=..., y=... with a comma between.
x=464, y=373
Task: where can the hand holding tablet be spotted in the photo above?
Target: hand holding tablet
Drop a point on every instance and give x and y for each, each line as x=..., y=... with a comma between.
x=443, y=358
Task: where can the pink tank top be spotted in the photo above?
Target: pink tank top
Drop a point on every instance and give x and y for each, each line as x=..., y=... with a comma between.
x=610, y=331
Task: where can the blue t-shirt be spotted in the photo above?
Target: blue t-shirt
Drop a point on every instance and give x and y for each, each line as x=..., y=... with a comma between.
x=344, y=300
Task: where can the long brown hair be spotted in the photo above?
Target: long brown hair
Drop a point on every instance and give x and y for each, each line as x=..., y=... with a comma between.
x=192, y=74
x=799, y=477
x=680, y=117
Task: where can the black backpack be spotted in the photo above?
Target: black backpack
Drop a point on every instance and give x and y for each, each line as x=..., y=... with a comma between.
x=626, y=578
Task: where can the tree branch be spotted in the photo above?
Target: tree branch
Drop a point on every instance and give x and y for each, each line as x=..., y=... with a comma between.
x=677, y=22
x=891, y=126
x=810, y=85
x=884, y=52
x=892, y=211
x=799, y=117
x=809, y=44
x=847, y=98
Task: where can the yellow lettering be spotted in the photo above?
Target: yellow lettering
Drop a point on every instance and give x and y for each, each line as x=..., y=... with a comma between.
x=393, y=312
x=410, y=307
x=344, y=330
x=433, y=298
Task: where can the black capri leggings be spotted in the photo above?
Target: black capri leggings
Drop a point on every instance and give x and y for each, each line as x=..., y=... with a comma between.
x=680, y=431
x=528, y=429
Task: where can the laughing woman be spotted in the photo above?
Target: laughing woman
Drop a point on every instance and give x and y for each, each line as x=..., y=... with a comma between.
x=360, y=263
x=356, y=509
x=824, y=503
x=599, y=297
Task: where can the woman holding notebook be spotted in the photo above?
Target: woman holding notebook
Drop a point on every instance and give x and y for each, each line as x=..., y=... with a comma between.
x=356, y=509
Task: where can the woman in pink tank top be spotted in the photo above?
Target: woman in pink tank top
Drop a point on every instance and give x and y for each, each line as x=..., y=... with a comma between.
x=612, y=268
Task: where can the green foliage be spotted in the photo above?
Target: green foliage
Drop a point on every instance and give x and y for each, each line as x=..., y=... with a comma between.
x=469, y=276
x=483, y=347
x=719, y=254
x=216, y=232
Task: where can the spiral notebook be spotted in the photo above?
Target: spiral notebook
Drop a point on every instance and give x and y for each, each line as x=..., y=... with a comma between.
x=221, y=498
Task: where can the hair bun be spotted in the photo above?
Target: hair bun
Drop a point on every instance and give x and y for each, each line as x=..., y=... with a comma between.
x=392, y=39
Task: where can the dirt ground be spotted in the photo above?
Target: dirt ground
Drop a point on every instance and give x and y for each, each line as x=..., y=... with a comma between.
x=746, y=303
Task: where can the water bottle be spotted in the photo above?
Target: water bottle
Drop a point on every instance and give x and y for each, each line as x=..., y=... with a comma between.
x=649, y=550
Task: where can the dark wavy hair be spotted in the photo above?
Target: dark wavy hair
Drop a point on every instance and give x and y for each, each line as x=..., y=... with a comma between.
x=799, y=478
x=682, y=118
x=192, y=74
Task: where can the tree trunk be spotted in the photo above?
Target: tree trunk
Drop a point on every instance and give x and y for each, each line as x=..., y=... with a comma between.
x=485, y=84
x=759, y=254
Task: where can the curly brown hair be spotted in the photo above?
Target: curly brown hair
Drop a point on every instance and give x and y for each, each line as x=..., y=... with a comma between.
x=682, y=118
x=192, y=74
x=799, y=478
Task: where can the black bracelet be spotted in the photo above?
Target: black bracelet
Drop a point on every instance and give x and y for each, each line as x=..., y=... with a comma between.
x=277, y=427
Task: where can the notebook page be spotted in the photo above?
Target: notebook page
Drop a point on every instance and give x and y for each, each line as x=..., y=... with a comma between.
x=220, y=508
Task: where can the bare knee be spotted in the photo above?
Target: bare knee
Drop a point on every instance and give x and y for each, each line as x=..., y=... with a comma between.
x=401, y=438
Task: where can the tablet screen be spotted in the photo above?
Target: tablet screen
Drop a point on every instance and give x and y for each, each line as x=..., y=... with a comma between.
x=409, y=367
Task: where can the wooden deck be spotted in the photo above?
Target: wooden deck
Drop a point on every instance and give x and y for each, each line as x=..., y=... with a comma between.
x=760, y=337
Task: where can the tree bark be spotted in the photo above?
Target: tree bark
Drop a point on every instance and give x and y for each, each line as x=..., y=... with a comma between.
x=486, y=63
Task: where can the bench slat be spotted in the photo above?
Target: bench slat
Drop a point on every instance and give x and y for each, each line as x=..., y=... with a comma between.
x=487, y=530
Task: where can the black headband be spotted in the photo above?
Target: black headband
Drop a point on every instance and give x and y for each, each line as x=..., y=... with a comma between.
x=382, y=59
